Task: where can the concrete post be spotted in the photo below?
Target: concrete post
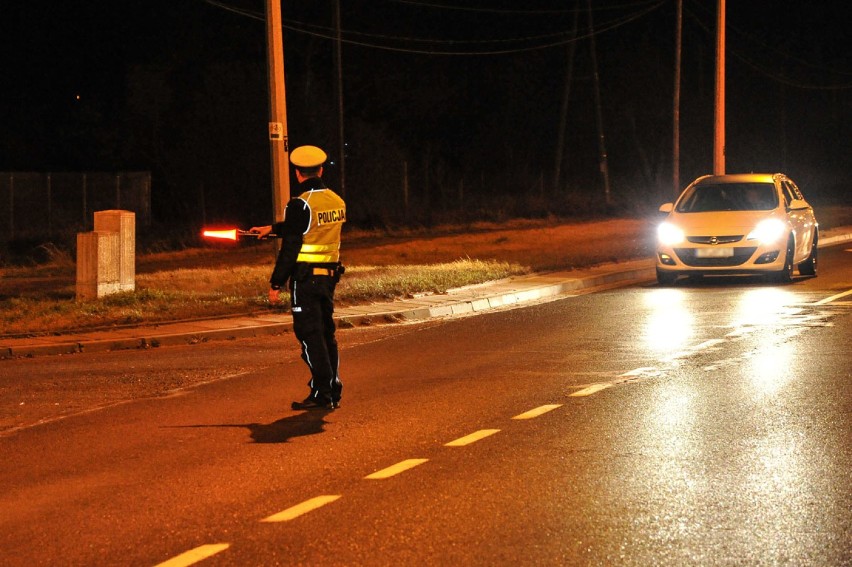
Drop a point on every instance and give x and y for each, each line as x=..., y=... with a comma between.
x=97, y=268
x=106, y=257
x=123, y=223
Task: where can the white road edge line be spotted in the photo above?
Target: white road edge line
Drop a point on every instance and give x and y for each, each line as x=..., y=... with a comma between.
x=393, y=470
x=193, y=556
x=307, y=506
x=472, y=438
x=833, y=298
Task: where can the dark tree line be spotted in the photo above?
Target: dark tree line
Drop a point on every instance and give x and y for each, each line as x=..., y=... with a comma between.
x=180, y=89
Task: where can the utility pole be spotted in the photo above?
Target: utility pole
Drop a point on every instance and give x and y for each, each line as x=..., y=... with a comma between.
x=599, y=112
x=279, y=150
x=719, y=137
x=563, y=111
x=338, y=57
x=676, y=109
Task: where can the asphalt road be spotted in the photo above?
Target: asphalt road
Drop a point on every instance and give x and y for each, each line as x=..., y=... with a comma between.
x=708, y=423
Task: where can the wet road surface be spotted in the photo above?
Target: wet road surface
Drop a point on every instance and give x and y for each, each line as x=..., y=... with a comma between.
x=706, y=423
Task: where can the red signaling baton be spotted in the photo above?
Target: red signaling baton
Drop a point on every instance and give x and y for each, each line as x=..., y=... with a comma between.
x=233, y=234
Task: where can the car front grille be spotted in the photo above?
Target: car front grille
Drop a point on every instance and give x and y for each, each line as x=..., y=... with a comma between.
x=741, y=255
x=715, y=239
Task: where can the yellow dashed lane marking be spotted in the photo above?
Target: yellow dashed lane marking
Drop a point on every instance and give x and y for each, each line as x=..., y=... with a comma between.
x=392, y=470
x=472, y=438
x=195, y=555
x=303, y=508
x=203, y=552
x=590, y=390
x=537, y=411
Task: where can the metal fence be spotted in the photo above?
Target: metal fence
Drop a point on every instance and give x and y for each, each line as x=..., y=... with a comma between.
x=38, y=205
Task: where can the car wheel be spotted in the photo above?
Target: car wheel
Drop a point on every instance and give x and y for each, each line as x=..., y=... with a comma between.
x=665, y=278
x=786, y=273
x=809, y=266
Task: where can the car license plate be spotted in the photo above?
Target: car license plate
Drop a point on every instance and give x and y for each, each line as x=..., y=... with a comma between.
x=714, y=252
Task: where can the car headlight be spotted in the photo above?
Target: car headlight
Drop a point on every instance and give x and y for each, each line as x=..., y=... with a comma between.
x=669, y=234
x=768, y=231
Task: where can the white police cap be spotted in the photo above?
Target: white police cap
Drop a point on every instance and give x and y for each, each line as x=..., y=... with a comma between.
x=307, y=156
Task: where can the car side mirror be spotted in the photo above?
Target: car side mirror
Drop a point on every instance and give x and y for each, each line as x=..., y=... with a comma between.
x=798, y=205
x=666, y=207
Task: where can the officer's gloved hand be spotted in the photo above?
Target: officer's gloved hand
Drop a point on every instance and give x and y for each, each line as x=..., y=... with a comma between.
x=261, y=231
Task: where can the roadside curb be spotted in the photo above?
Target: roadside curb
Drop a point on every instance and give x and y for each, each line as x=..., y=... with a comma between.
x=832, y=240
x=492, y=295
x=473, y=299
x=531, y=293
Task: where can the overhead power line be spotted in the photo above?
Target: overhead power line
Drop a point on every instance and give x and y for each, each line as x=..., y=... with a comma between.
x=247, y=13
x=514, y=11
x=779, y=77
x=543, y=41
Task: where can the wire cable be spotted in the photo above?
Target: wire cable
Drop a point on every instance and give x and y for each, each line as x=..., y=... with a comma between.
x=240, y=11
x=515, y=11
x=559, y=38
x=567, y=38
x=770, y=74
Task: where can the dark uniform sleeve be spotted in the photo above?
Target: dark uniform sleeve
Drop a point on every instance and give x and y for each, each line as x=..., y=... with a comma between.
x=297, y=218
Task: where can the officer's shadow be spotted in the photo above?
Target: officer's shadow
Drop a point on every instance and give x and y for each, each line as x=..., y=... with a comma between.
x=300, y=425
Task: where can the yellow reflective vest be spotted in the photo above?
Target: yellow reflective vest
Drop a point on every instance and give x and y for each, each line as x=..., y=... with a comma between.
x=321, y=240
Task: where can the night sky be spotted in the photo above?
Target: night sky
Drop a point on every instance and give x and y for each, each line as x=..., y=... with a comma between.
x=456, y=102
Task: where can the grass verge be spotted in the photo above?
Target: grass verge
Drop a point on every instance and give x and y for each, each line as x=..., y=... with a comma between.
x=213, y=282
x=181, y=294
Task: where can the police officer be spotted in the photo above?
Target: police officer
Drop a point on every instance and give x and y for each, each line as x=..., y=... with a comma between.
x=310, y=259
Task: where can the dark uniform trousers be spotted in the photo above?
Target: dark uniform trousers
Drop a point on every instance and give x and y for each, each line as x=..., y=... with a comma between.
x=312, y=299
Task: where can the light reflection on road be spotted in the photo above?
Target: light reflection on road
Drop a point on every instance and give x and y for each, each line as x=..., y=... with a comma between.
x=763, y=307
x=670, y=325
x=769, y=368
x=768, y=471
x=769, y=364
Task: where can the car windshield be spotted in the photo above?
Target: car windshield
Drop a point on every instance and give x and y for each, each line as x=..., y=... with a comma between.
x=729, y=197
